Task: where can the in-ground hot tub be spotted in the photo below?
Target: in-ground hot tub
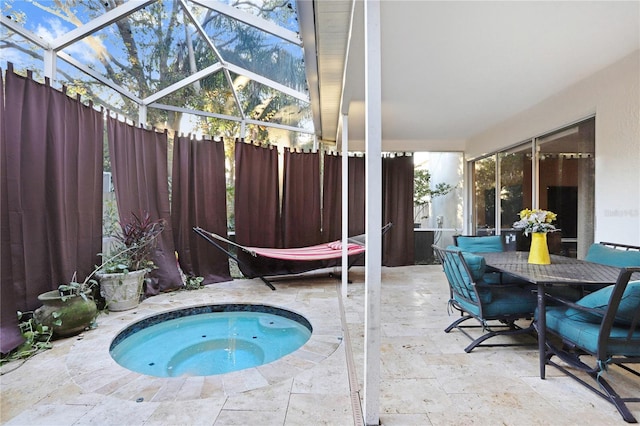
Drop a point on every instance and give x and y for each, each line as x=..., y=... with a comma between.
x=208, y=340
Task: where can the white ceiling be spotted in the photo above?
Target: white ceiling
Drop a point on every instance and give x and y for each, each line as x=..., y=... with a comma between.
x=451, y=69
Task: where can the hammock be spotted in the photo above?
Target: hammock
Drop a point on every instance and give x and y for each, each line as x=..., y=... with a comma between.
x=325, y=251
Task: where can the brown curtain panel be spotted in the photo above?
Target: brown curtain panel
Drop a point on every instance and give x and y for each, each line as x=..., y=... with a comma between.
x=140, y=177
x=257, y=206
x=301, y=224
x=357, y=196
x=198, y=198
x=10, y=336
x=53, y=148
x=397, y=204
x=332, y=197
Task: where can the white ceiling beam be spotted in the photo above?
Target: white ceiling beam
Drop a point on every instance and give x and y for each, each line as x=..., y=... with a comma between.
x=97, y=24
x=19, y=29
x=279, y=126
x=201, y=31
x=101, y=78
x=182, y=83
x=268, y=82
x=252, y=20
x=306, y=21
x=235, y=92
x=212, y=45
x=228, y=117
x=194, y=112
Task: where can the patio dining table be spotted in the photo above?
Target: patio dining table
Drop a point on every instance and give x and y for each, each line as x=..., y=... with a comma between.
x=561, y=271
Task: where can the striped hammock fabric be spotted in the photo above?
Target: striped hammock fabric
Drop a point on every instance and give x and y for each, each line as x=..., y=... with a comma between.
x=325, y=251
x=318, y=252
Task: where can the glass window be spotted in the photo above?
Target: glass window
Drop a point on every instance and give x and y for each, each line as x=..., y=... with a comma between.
x=515, y=189
x=23, y=54
x=484, y=195
x=248, y=56
x=438, y=201
x=565, y=182
x=566, y=164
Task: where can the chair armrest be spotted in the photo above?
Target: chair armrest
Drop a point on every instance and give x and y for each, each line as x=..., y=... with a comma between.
x=570, y=304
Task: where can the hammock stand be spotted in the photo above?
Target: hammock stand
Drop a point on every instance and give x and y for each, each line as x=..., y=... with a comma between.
x=325, y=251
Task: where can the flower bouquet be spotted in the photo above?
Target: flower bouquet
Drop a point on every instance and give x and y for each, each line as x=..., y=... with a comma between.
x=537, y=223
x=536, y=220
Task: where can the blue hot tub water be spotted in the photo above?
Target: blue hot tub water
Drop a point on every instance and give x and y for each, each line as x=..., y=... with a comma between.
x=194, y=343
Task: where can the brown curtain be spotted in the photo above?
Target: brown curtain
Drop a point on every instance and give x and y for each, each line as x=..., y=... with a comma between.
x=198, y=198
x=301, y=199
x=140, y=177
x=257, y=205
x=332, y=198
x=357, y=196
x=10, y=337
x=53, y=147
x=397, y=204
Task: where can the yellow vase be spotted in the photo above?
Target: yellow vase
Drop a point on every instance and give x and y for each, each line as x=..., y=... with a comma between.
x=539, y=252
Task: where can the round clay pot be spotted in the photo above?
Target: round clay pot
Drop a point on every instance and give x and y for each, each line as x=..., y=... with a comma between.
x=74, y=313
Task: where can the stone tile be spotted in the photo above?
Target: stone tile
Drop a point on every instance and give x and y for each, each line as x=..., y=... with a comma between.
x=252, y=417
x=115, y=411
x=405, y=420
x=427, y=378
x=50, y=414
x=328, y=377
x=192, y=412
x=413, y=396
x=318, y=409
x=268, y=398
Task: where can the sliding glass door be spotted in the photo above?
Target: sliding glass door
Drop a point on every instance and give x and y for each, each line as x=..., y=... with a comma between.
x=553, y=172
x=566, y=170
x=515, y=172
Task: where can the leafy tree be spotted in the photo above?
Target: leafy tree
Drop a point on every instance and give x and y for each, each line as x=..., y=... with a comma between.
x=423, y=193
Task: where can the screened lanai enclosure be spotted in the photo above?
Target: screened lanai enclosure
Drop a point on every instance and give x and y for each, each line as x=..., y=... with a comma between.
x=197, y=112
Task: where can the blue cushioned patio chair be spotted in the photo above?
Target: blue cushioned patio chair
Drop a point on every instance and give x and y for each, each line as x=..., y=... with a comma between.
x=485, y=244
x=495, y=306
x=604, y=327
x=614, y=254
x=479, y=243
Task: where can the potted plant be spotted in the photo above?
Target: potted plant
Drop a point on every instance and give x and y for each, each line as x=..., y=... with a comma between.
x=123, y=272
x=68, y=310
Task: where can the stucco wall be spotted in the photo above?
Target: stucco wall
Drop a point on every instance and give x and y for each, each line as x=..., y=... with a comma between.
x=613, y=95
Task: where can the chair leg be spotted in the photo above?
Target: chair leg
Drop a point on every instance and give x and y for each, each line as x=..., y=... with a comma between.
x=457, y=322
x=606, y=391
x=511, y=332
x=617, y=400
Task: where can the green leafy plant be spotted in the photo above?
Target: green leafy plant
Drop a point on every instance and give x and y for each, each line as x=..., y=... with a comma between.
x=37, y=338
x=135, y=243
x=75, y=288
x=193, y=282
x=423, y=193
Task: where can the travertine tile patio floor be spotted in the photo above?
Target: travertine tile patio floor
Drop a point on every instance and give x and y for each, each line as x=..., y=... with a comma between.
x=426, y=377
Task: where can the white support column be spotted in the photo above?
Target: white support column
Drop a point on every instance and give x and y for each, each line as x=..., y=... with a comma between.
x=373, y=210
x=345, y=203
x=142, y=115
x=50, y=65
